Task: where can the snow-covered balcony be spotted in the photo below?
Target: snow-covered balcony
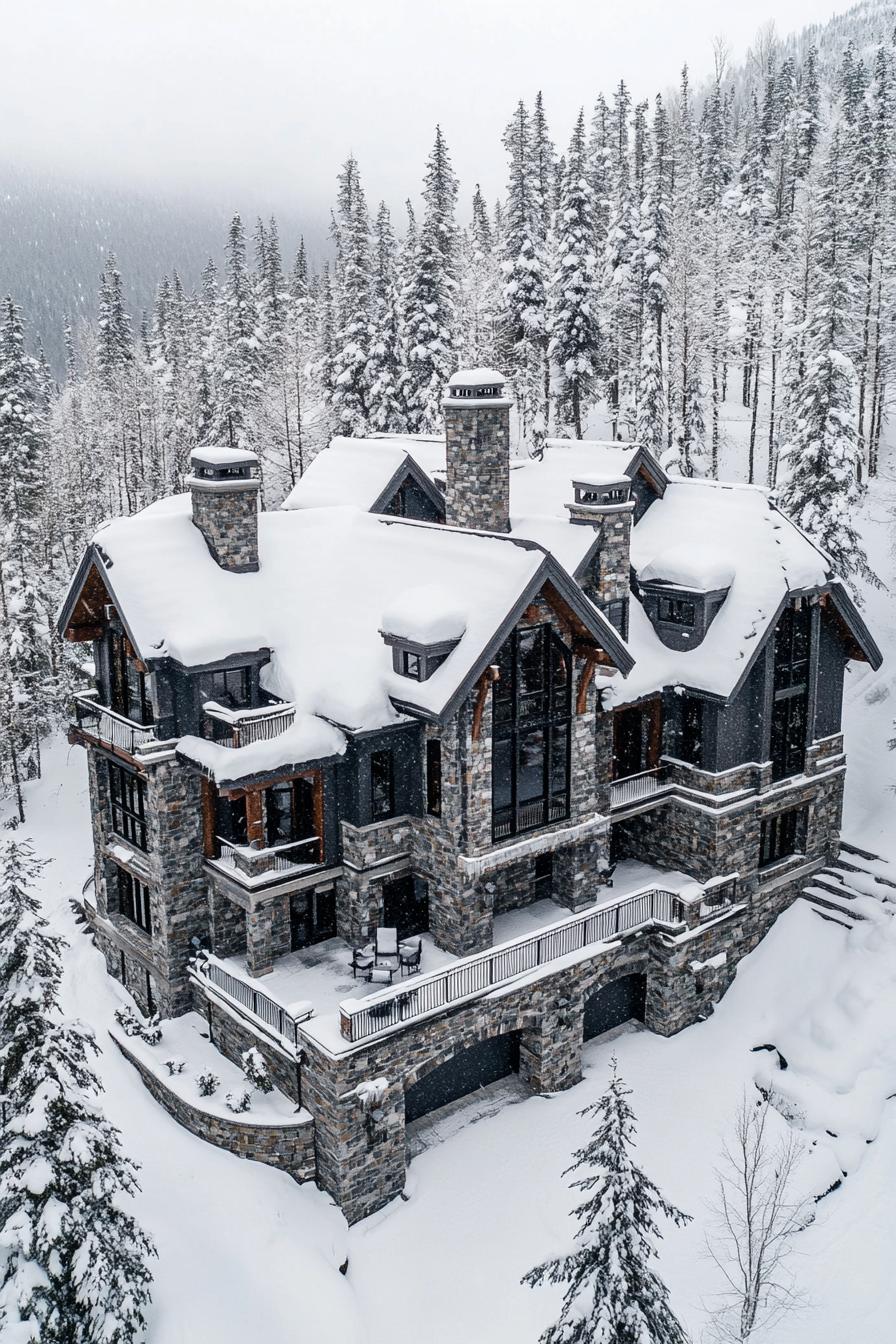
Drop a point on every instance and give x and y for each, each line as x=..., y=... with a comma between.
x=103, y=725
x=240, y=727
x=312, y=992
x=252, y=867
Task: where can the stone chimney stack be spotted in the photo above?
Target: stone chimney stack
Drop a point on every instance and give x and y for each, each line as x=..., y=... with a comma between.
x=477, y=434
x=604, y=503
x=224, y=492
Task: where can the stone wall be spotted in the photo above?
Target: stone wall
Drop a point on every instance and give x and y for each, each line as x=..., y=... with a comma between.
x=477, y=488
x=228, y=519
x=290, y=1148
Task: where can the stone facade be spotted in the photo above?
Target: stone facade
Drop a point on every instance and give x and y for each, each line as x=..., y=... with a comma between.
x=227, y=516
x=477, y=493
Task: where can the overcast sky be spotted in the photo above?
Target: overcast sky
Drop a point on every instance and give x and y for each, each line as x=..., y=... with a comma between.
x=227, y=98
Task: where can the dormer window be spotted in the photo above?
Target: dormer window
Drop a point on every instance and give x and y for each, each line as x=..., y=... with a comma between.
x=422, y=627
x=677, y=611
x=411, y=664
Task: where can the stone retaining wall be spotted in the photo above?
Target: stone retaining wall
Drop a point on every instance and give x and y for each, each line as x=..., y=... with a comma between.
x=290, y=1148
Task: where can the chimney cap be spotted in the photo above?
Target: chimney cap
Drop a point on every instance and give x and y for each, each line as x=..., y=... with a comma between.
x=478, y=379
x=211, y=456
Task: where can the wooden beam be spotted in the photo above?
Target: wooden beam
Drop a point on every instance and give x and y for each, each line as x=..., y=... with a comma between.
x=208, y=820
x=83, y=634
x=585, y=676
x=254, y=819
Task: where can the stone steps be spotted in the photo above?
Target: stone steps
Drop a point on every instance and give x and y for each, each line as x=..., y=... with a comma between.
x=841, y=892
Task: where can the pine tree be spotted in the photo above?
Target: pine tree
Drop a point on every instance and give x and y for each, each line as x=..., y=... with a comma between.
x=350, y=394
x=650, y=429
x=25, y=694
x=383, y=372
x=818, y=485
x=74, y=1268
x=613, y=1294
x=479, y=292
x=429, y=305
x=239, y=380
x=575, y=336
x=620, y=287
x=524, y=296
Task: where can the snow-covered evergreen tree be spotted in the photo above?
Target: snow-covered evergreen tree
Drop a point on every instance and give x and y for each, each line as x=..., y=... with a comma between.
x=818, y=480
x=430, y=304
x=73, y=1260
x=383, y=372
x=238, y=378
x=524, y=296
x=612, y=1291
x=575, y=335
x=650, y=427
x=350, y=387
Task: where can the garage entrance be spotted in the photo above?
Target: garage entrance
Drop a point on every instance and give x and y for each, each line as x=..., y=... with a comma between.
x=616, y=1003
x=476, y=1067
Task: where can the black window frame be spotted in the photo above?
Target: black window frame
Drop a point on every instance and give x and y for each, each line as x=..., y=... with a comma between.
x=791, y=663
x=434, y=777
x=127, y=805
x=134, y=900
x=616, y=612
x=783, y=836
x=690, y=735
x=216, y=687
x=128, y=691
x=412, y=664
x=672, y=610
x=518, y=718
x=300, y=811
x=382, y=784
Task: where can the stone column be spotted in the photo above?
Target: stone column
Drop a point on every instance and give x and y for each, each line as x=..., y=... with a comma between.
x=551, y=1053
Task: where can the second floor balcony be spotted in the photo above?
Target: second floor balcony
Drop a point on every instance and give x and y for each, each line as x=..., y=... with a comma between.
x=108, y=728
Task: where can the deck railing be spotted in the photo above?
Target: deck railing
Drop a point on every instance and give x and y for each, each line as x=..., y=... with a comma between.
x=636, y=788
x=255, y=1001
x=244, y=726
x=478, y=974
x=259, y=864
x=112, y=729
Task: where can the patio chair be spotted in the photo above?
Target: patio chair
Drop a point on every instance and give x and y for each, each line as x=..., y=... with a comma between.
x=361, y=961
x=409, y=956
x=606, y=874
x=386, y=945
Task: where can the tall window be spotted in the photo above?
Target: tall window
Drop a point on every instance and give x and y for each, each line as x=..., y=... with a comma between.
x=531, y=732
x=782, y=836
x=133, y=900
x=382, y=785
x=290, y=811
x=128, y=693
x=230, y=821
x=230, y=687
x=127, y=802
x=434, y=777
x=791, y=690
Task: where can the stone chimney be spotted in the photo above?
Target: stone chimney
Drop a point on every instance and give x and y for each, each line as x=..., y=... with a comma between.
x=604, y=504
x=224, y=492
x=477, y=435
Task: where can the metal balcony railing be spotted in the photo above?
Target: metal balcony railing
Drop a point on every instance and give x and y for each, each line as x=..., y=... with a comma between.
x=254, y=867
x=243, y=726
x=637, y=788
x=112, y=729
x=244, y=995
x=478, y=974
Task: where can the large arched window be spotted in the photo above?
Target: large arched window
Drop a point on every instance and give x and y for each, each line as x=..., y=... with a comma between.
x=532, y=702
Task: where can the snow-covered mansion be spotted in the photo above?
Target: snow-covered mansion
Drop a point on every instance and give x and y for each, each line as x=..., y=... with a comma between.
x=452, y=762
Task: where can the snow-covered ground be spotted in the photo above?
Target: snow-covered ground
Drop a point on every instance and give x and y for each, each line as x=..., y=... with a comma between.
x=245, y=1254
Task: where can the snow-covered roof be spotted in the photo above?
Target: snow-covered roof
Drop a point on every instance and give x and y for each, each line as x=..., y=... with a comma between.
x=700, y=535
x=690, y=563
x=358, y=471
x=224, y=457
x=739, y=536
x=326, y=577
x=427, y=613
